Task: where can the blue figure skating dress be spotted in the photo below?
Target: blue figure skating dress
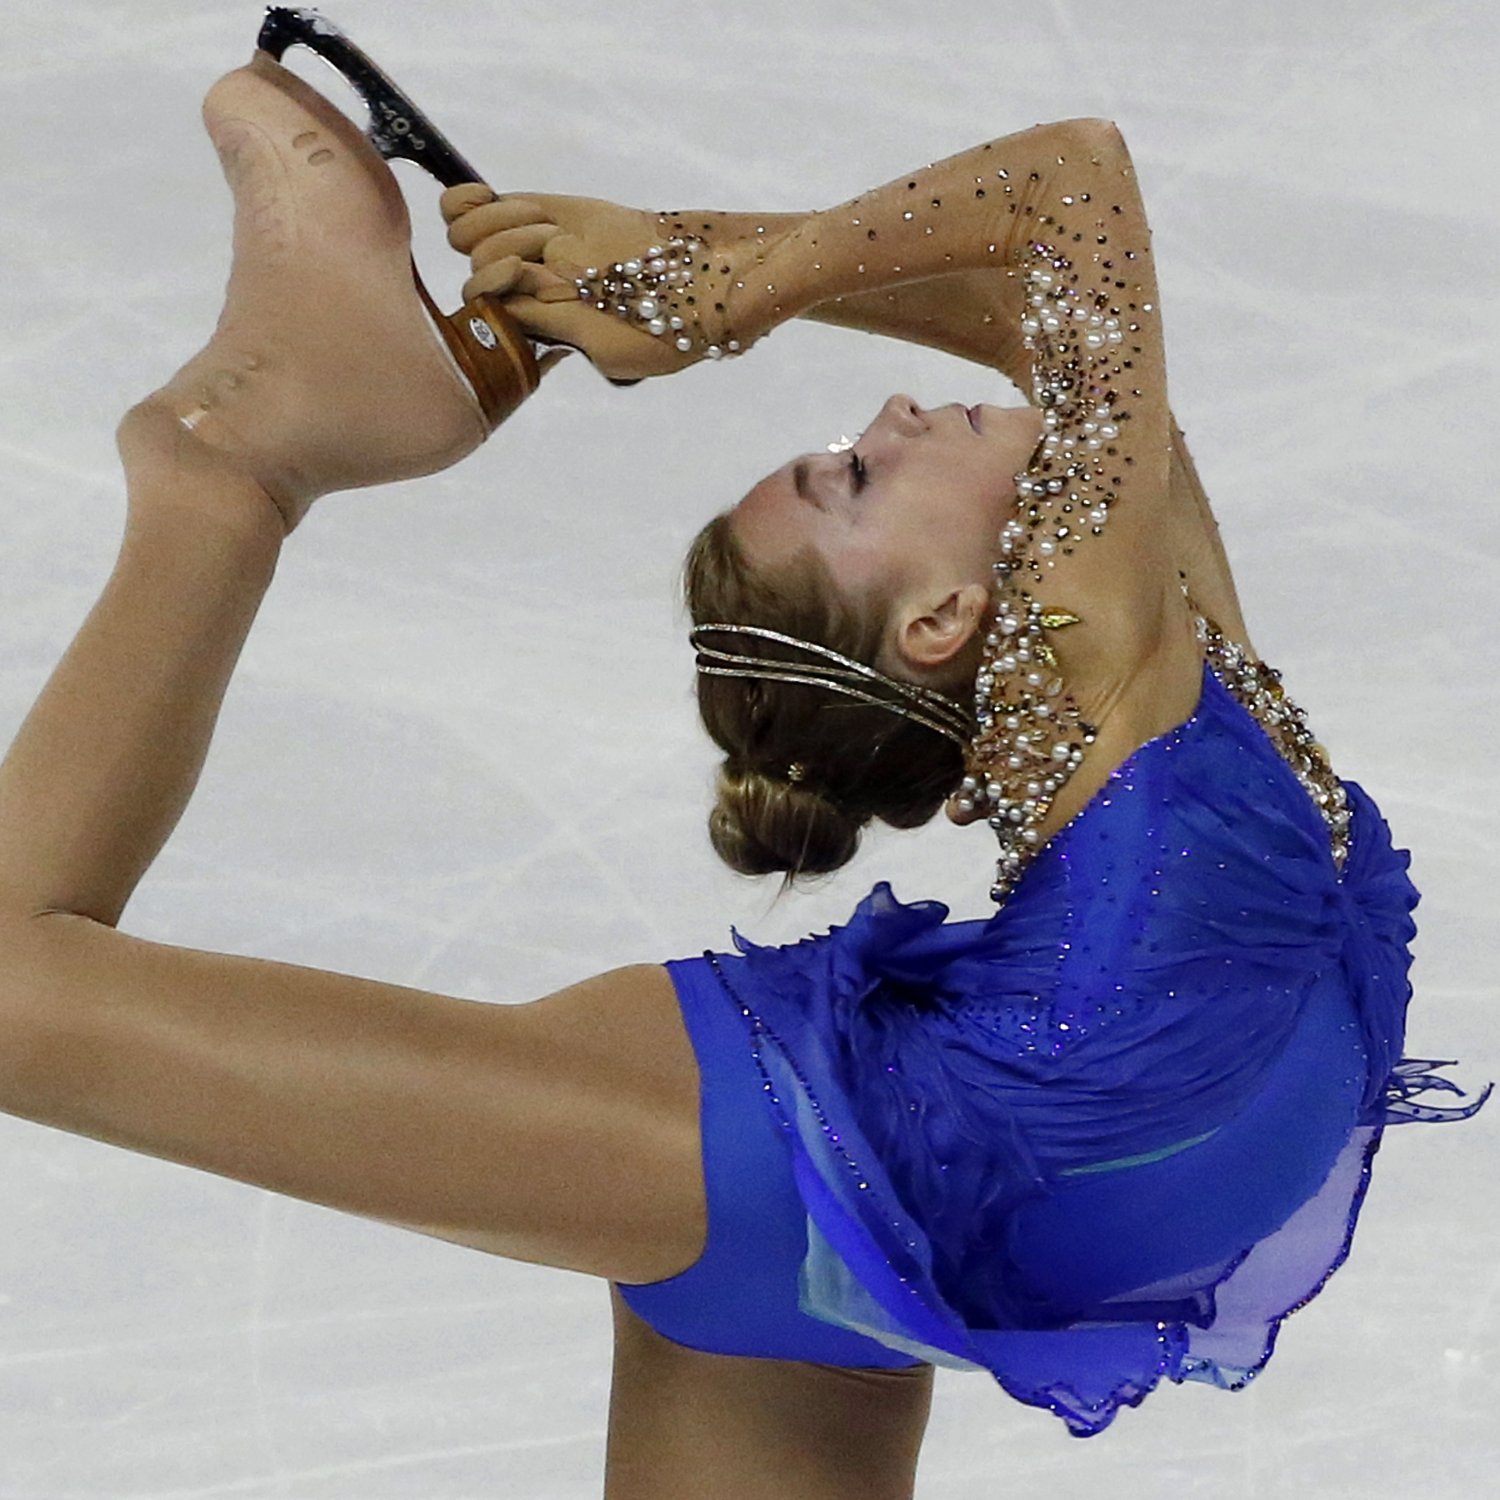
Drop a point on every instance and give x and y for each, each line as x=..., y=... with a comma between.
x=1113, y=1134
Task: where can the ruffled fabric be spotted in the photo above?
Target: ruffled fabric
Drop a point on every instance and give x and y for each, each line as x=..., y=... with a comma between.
x=1035, y=1145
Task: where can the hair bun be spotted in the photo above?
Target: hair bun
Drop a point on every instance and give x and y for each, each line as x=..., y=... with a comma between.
x=763, y=824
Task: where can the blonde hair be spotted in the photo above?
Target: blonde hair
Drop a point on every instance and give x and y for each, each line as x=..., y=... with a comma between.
x=805, y=769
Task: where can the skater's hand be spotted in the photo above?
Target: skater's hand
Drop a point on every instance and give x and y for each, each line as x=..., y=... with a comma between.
x=529, y=250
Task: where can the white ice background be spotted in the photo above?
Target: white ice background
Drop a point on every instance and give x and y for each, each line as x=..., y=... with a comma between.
x=460, y=752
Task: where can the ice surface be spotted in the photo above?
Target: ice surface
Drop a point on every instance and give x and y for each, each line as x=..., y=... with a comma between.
x=399, y=788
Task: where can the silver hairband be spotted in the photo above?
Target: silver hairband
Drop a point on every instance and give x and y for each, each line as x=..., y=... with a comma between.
x=841, y=674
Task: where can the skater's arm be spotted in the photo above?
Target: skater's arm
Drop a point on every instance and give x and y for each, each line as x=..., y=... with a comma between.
x=934, y=258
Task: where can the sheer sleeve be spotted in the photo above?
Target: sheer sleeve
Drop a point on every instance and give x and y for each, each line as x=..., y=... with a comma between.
x=1044, y=235
x=957, y=285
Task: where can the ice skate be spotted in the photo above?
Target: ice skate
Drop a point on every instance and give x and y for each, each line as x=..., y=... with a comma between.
x=324, y=311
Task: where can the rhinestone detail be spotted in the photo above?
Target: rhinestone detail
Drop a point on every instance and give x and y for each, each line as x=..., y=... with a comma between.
x=656, y=291
x=1031, y=734
x=1256, y=686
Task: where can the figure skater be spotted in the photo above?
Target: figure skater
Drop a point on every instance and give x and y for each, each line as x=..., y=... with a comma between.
x=1112, y=1134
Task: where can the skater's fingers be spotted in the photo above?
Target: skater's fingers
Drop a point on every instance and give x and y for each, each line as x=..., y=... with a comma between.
x=527, y=242
x=554, y=322
x=479, y=223
x=524, y=278
x=545, y=285
x=619, y=353
x=494, y=280
x=463, y=198
x=567, y=254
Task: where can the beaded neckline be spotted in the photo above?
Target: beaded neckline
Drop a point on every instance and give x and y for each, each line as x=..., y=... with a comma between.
x=1254, y=686
x=1121, y=772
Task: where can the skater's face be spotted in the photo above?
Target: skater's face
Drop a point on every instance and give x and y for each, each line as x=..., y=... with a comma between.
x=913, y=509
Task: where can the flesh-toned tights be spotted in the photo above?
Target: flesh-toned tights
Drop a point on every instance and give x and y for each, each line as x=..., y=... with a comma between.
x=684, y=1425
